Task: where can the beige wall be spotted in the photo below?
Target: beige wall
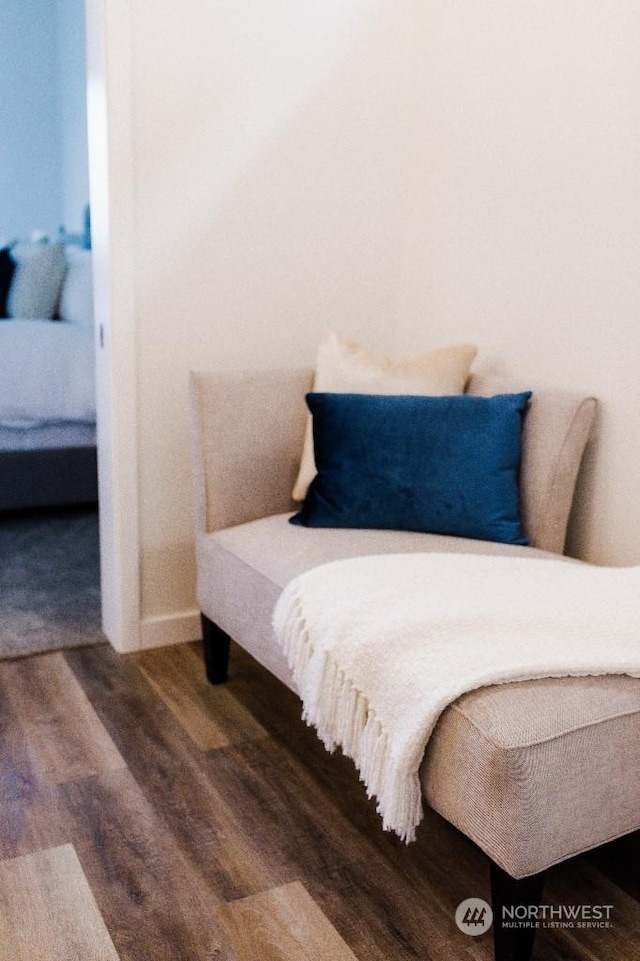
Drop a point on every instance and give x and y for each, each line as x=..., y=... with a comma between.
x=525, y=233
x=411, y=174
x=269, y=144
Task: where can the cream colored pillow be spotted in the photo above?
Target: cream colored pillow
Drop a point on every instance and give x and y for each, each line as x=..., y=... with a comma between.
x=347, y=368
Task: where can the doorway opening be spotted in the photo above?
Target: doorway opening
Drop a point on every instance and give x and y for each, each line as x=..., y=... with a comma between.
x=49, y=540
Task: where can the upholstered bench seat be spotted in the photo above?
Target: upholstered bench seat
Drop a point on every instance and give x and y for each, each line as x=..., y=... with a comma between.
x=242, y=570
x=552, y=766
x=521, y=749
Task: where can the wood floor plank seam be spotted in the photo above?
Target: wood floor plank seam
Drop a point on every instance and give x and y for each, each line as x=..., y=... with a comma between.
x=281, y=925
x=48, y=911
x=65, y=738
x=212, y=717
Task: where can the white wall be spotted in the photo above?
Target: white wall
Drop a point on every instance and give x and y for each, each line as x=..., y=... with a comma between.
x=525, y=231
x=411, y=174
x=43, y=131
x=72, y=80
x=30, y=165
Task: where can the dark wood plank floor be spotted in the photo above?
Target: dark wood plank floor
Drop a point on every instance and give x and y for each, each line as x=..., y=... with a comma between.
x=147, y=816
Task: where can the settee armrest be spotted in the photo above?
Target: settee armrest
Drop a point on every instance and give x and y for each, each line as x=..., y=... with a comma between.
x=247, y=434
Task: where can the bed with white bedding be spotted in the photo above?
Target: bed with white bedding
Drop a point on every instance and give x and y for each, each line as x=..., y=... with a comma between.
x=47, y=401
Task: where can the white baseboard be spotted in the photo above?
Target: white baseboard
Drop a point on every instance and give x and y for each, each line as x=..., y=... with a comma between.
x=166, y=629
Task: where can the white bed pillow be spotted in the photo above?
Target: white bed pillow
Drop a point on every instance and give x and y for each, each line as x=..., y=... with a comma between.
x=345, y=367
x=76, y=298
x=35, y=287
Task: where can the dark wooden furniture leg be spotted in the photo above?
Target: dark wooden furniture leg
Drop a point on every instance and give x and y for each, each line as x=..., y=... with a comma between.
x=216, y=651
x=513, y=944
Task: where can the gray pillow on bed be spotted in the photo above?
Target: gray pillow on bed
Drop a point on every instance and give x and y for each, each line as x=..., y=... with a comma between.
x=37, y=281
x=76, y=296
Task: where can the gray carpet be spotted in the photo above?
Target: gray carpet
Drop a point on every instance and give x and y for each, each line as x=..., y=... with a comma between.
x=49, y=581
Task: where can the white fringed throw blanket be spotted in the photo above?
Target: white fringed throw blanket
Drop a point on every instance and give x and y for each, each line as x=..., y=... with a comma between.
x=379, y=646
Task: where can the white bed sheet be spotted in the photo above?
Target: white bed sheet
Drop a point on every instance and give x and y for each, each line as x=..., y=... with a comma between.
x=47, y=373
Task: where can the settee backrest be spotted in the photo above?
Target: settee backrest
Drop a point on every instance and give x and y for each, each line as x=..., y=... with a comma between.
x=248, y=429
x=556, y=428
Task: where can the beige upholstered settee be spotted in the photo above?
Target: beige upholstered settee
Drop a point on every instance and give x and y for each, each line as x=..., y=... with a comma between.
x=525, y=770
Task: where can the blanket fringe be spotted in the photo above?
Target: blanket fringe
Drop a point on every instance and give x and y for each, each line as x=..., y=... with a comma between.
x=343, y=718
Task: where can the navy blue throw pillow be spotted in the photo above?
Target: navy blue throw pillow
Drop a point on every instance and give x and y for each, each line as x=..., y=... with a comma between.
x=7, y=268
x=442, y=465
